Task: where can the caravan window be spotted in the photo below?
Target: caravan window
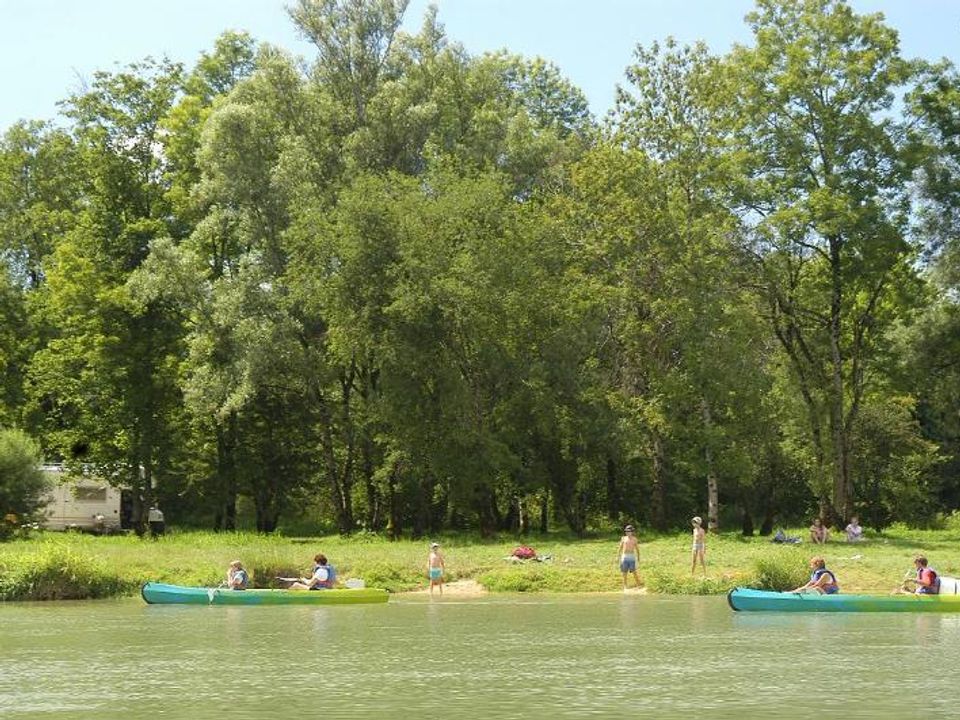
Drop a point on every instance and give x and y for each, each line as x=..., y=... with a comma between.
x=90, y=494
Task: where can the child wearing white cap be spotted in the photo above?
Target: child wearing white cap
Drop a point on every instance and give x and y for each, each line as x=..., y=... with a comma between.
x=699, y=545
x=435, y=567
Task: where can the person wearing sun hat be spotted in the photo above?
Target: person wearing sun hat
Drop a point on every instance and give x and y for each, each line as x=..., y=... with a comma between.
x=435, y=567
x=699, y=545
x=628, y=552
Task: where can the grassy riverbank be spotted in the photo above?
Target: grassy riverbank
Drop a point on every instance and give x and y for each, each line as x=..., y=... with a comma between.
x=67, y=565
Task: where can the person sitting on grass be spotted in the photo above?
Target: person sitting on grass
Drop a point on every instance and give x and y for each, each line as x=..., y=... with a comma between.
x=818, y=532
x=926, y=582
x=323, y=578
x=821, y=580
x=853, y=530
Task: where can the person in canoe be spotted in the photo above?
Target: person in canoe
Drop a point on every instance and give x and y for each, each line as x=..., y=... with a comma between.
x=237, y=578
x=821, y=580
x=323, y=578
x=927, y=580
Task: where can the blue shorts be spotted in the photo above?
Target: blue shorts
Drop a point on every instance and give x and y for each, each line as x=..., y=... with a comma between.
x=628, y=564
x=436, y=573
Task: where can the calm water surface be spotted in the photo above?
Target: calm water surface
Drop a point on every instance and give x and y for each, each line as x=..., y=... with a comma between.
x=499, y=657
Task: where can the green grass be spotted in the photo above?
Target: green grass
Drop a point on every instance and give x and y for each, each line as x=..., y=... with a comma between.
x=68, y=565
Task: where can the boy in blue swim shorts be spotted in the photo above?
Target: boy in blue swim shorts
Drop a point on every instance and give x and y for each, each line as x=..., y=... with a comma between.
x=628, y=551
x=435, y=567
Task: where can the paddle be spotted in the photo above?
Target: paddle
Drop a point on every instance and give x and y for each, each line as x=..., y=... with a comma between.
x=212, y=591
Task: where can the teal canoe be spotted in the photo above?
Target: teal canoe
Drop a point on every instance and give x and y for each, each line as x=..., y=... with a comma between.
x=747, y=600
x=160, y=593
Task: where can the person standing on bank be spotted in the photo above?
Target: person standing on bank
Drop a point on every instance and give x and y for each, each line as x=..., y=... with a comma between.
x=628, y=552
x=699, y=545
x=156, y=521
x=435, y=567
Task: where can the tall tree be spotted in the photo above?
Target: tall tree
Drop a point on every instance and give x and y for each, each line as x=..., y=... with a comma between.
x=824, y=176
x=105, y=385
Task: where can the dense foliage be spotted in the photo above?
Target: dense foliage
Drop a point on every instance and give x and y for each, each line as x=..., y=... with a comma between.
x=22, y=482
x=401, y=288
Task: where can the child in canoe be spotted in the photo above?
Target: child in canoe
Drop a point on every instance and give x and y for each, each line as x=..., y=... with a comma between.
x=926, y=582
x=821, y=580
x=237, y=578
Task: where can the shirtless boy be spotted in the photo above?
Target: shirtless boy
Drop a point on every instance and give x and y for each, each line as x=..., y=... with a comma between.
x=435, y=567
x=628, y=552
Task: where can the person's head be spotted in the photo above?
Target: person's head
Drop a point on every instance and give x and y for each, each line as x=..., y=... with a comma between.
x=434, y=546
x=854, y=520
x=818, y=563
x=235, y=564
x=697, y=521
x=320, y=559
x=817, y=522
x=628, y=530
x=920, y=561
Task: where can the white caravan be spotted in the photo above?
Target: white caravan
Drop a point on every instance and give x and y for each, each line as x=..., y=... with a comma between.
x=80, y=502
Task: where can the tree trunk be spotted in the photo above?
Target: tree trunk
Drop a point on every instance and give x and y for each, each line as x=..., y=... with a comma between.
x=658, y=498
x=544, y=511
x=713, y=501
x=841, y=480
x=614, y=501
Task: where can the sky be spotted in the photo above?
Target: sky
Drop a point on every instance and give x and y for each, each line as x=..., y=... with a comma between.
x=48, y=48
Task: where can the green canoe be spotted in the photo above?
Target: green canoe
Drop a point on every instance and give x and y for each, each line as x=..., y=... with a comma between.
x=160, y=593
x=747, y=600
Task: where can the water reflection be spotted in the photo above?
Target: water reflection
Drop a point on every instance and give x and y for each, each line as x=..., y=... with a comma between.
x=495, y=657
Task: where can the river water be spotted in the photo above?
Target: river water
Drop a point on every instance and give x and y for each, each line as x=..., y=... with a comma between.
x=491, y=657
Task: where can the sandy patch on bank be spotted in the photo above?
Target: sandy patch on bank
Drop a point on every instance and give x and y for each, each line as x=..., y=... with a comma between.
x=457, y=588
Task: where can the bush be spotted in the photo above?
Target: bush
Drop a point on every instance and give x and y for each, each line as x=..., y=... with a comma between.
x=56, y=573
x=22, y=482
x=779, y=571
x=685, y=584
x=394, y=578
x=542, y=577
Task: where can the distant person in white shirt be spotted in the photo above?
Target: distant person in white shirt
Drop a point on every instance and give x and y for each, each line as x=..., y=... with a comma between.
x=854, y=531
x=324, y=576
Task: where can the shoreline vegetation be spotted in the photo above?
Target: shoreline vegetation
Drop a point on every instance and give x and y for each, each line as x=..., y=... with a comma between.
x=64, y=566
